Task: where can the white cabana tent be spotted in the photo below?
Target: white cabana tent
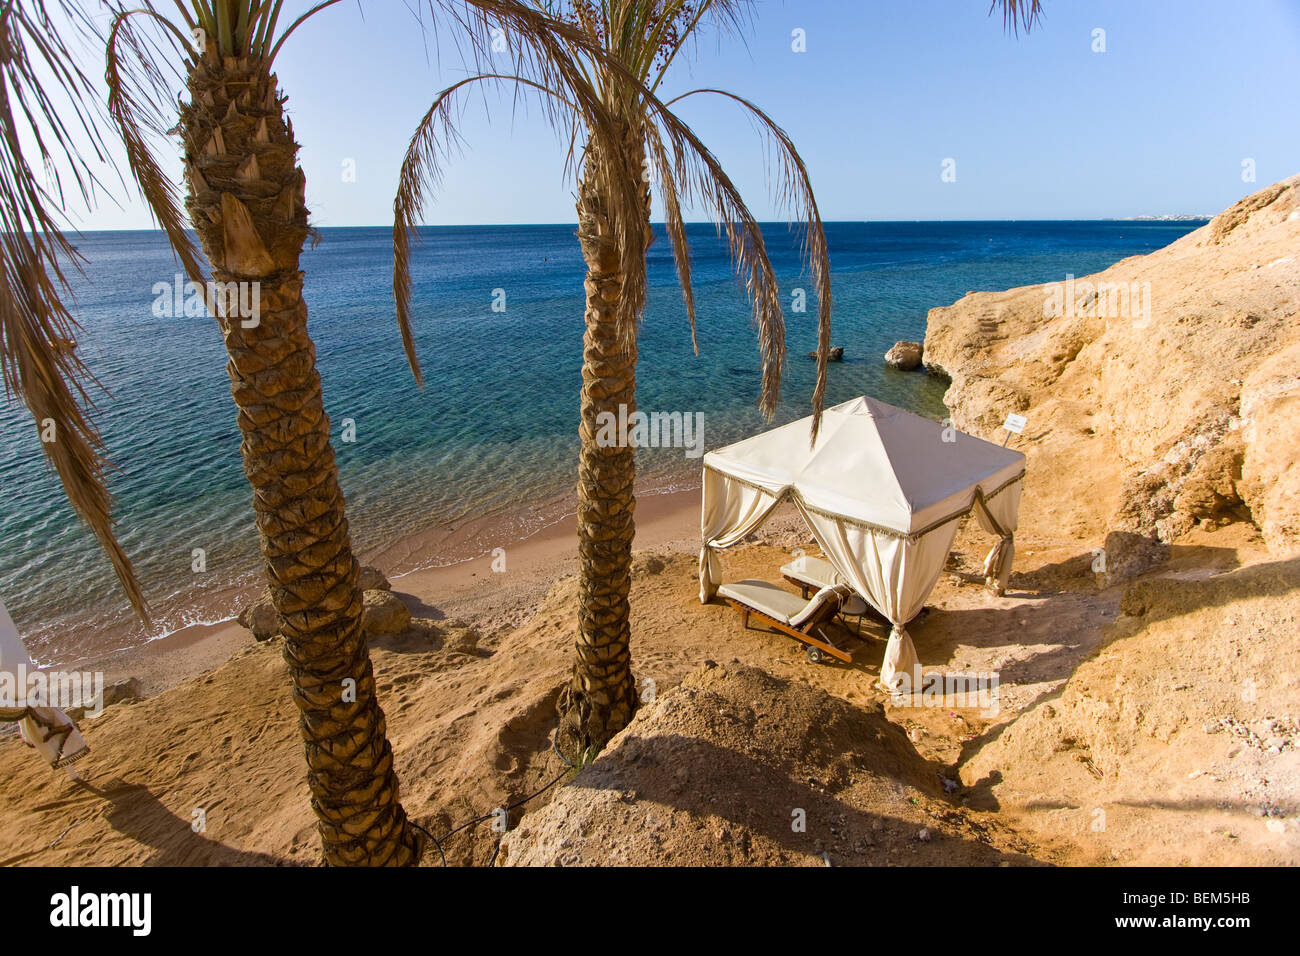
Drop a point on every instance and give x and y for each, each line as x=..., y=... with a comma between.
x=882, y=492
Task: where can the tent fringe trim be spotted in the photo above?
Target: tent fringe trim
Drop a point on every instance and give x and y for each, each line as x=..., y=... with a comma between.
x=793, y=495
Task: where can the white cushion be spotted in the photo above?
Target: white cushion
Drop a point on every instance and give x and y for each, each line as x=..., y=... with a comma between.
x=832, y=595
x=765, y=597
x=815, y=572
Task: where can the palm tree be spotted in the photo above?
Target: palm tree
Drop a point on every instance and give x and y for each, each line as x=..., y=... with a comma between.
x=597, y=66
x=246, y=201
x=38, y=357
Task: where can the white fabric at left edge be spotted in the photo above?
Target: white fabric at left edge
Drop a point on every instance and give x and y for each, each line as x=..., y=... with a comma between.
x=49, y=730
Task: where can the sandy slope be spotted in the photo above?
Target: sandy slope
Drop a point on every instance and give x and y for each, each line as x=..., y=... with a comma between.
x=470, y=718
x=737, y=767
x=1176, y=743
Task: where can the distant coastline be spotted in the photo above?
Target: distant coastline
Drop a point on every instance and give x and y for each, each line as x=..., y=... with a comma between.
x=142, y=231
x=1180, y=218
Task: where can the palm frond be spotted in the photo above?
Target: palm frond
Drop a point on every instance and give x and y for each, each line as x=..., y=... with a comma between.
x=138, y=88
x=280, y=41
x=729, y=17
x=793, y=191
x=673, y=222
x=701, y=179
x=619, y=112
x=544, y=60
x=38, y=359
x=420, y=176
x=1018, y=13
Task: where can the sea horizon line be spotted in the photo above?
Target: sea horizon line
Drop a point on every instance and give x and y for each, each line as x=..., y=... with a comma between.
x=761, y=222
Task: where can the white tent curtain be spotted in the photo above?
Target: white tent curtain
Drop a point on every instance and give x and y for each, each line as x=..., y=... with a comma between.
x=731, y=511
x=998, y=514
x=895, y=573
x=49, y=730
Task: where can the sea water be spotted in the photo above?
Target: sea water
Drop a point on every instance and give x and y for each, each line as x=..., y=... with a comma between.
x=498, y=327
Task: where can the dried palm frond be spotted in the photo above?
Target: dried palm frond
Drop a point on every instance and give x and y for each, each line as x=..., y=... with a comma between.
x=38, y=358
x=138, y=91
x=792, y=189
x=1018, y=13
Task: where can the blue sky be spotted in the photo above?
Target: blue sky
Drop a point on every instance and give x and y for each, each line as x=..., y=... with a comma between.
x=1039, y=127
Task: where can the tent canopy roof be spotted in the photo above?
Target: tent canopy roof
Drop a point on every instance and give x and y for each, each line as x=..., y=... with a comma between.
x=873, y=463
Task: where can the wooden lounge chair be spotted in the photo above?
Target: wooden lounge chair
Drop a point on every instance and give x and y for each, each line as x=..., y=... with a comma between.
x=803, y=620
x=811, y=574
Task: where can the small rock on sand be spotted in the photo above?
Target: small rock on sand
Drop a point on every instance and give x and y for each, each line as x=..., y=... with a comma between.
x=261, y=618
x=384, y=613
x=372, y=579
x=129, y=688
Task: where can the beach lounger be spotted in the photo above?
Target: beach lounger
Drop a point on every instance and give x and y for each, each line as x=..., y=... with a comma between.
x=815, y=573
x=803, y=620
x=812, y=574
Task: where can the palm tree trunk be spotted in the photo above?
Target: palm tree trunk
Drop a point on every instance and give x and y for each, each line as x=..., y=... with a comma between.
x=601, y=698
x=246, y=202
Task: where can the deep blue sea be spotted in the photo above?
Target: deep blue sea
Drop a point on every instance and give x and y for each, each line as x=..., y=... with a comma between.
x=494, y=432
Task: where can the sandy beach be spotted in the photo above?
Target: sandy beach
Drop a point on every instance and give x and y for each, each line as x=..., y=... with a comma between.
x=467, y=590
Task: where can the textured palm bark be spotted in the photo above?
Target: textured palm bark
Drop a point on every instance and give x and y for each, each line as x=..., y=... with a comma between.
x=601, y=697
x=246, y=202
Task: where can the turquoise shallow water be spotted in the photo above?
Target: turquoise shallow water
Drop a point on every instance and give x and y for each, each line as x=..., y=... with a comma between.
x=494, y=432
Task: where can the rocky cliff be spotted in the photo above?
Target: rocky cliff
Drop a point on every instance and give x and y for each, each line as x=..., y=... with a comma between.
x=1162, y=393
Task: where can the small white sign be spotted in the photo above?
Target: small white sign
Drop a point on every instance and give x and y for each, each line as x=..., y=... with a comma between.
x=1015, y=424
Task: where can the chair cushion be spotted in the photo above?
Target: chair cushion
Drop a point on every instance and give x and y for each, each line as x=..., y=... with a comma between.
x=815, y=572
x=826, y=596
x=765, y=598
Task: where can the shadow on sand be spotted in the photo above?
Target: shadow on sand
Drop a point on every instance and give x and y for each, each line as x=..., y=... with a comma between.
x=135, y=812
x=758, y=795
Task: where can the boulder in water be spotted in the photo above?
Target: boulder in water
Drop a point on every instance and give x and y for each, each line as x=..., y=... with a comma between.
x=904, y=356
